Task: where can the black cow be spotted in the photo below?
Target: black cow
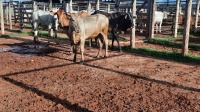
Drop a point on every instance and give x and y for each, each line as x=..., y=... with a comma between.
x=119, y=21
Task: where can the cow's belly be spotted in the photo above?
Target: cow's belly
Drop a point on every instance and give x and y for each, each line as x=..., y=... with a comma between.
x=92, y=35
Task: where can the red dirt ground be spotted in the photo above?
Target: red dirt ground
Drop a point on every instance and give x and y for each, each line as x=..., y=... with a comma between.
x=44, y=78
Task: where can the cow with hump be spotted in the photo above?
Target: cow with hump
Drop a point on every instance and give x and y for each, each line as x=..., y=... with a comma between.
x=46, y=19
x=90, y=27
x=118, y=21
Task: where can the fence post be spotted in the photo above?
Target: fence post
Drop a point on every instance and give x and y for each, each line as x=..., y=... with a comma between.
x=44, y=7
x=108, y=8
x=50, y=4
x=176, y=19
x=187, y=27
x=97, y=4
x=34, y=6
x=89, y=8
x=10, y=15
x=150, y=18
x=70, y=6
x=196, y=16
x=7, y=16
x=66, y=7
x=20, y=16
x=2, y=18
x=117, y=3
x=132, y=36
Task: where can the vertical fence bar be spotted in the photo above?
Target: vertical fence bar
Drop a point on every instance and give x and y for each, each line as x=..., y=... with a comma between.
x=187, y=27
x=2, y=18
x=10, y=15
x=196, y=16
x=176, y=18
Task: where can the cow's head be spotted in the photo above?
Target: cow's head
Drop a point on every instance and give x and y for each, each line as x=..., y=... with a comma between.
x=63, y=18
x=165, y=14
x=74, y=30
x=127, y=21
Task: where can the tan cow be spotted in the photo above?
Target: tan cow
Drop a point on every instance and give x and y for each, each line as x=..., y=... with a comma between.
x=90, y=27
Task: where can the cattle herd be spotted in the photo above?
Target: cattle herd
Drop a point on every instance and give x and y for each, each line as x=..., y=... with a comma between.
x=83, y=26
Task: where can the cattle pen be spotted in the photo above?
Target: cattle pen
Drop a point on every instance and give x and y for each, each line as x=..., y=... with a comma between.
x=21, y=12
x=151, y=73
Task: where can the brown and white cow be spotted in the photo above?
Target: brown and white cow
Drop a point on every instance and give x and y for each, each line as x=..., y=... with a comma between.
x=90, y=27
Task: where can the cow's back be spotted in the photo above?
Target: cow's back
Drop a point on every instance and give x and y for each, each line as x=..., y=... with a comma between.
x=92, y=25
x=42, y=17
x=159, y=16
x=121, y=20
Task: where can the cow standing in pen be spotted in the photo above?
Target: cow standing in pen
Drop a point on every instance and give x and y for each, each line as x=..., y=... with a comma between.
x=119, y=21
x=46, y=19
x=64, y=18
x=90, y=27
x=158, y=19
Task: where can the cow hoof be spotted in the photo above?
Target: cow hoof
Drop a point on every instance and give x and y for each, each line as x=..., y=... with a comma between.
x=70, y=53
x=96, y=56
x=105, y=56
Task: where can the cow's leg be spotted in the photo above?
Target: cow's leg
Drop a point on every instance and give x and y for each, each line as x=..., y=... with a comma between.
x=49, y=32
x=141, y=29
x=114, y=33
x=96, y=41
x=117, y=38
x=82, y=43
x=160, y=26
x=55, y=32
x=90, y=43
x=35, y=28
x=106, y=45
x=100, y=46
x=156, y=28
x=75, y=52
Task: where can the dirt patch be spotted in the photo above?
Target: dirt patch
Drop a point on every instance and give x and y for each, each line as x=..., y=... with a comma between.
x=51, y=81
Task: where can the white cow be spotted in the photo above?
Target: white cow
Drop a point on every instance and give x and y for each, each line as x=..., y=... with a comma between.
x=159, y=16
x=47, y=19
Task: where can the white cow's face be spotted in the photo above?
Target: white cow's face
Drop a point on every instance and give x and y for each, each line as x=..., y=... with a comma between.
x=165, y=13
x=54, y=9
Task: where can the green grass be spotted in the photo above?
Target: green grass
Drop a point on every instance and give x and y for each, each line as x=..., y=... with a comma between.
x=25, y=33
x=168, y=55
x=197, y=34
x=4, y=36
x=168, y=42
x=192, y=34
